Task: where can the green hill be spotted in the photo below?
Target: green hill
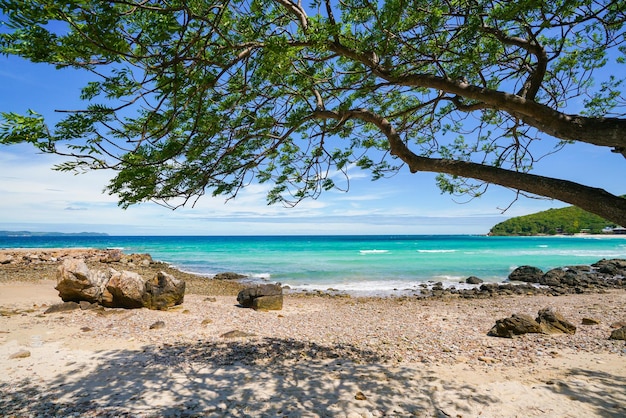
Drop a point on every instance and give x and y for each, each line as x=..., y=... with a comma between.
x=568, y=220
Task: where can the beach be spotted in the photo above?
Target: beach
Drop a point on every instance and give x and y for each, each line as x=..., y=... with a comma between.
x=318, y=356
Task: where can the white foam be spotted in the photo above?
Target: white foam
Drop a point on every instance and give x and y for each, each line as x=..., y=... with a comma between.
x=436, y=251
x=373, y=251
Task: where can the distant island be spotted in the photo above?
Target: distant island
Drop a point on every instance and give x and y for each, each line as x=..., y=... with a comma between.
x=50, y=234
x=569, y=220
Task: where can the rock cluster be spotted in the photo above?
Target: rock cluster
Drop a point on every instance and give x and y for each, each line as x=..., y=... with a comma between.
x=605, y=274
x=548, y=321
x=529, y=280
x=114, y=289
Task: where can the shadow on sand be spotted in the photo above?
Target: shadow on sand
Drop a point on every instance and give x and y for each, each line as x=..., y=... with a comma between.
x=265, y=377
x=256, y=377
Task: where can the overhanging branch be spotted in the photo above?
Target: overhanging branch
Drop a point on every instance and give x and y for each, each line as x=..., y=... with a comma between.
x=595, y=200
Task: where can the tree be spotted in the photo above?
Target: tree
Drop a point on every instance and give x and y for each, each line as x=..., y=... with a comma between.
x=191, y=96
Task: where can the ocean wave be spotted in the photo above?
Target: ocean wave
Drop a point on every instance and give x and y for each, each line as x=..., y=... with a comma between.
x=373, y=251
x=436, y=251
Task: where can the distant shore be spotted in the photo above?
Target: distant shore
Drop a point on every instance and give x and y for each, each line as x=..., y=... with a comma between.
x=319, y=356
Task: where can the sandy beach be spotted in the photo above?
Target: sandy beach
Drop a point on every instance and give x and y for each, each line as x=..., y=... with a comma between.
x=318, y=356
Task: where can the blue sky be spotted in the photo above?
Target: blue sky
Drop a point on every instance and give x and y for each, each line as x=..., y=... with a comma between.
x=36, y=198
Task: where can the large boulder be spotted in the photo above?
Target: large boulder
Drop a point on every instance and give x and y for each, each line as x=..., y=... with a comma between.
x=127, y=290
x=113, y=289
x=262, y=297
x=552, y=322
x=528, y=274
x=75, y=282
x=548, y=321
x=163, y=291
x=516, y=324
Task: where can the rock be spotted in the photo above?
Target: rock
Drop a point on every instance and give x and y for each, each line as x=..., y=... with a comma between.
x=551, y=322
x=618, y=334
x=112, y=256
x=360, y=396
x=158, y=325
x=163, y=291
x=272, y=294
x=229, y=275
x=612, y=267
x=517, y=324
x=75, y=282
x=590, y=321
x=62, y=307
x=236, y=334
x=268, y=303
x=618, y=324
x=127, y=290
x=6, y=258
x=473, y=280
x=552, y=277
x=526, y=274
x=20, y=354
x=113, y=289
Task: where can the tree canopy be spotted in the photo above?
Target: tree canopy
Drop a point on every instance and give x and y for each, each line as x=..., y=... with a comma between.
x=196, y=96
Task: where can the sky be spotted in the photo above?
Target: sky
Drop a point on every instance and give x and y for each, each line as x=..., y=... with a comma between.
x=34, y=197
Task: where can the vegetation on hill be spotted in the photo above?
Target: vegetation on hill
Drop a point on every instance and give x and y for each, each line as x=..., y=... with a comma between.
x=568, y=220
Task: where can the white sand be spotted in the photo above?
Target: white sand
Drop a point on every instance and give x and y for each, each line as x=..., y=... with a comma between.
x=313, y=358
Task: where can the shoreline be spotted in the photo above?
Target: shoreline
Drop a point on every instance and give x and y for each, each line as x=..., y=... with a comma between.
x=318, y=356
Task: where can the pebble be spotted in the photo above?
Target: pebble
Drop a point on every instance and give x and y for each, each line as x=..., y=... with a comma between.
x=20, y=354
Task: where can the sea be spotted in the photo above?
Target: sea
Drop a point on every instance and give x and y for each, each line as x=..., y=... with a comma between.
x=358, y=265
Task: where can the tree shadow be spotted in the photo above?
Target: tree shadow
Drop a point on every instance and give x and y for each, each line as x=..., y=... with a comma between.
x=604, y=391
x=264, y=377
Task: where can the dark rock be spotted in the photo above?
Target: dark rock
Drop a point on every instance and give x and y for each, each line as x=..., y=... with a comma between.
x=158, y=325
x=590, y=321
x=473, y=280
x=552, y=322
x=247, y=296
x=62, y=307
x=268, y=303
x=526, y=274
x=552, y=277
x=163, y=291
x=618, y=334
x=229, y=275
x=517, y=324
x=612, y=267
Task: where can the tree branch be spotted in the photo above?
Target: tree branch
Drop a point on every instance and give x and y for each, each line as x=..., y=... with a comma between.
x=594, y=200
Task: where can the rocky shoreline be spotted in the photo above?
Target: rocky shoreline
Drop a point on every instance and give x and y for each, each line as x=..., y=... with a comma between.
x=599, y=277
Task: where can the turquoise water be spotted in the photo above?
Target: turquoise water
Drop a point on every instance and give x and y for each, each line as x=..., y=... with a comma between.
x=357, y=264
